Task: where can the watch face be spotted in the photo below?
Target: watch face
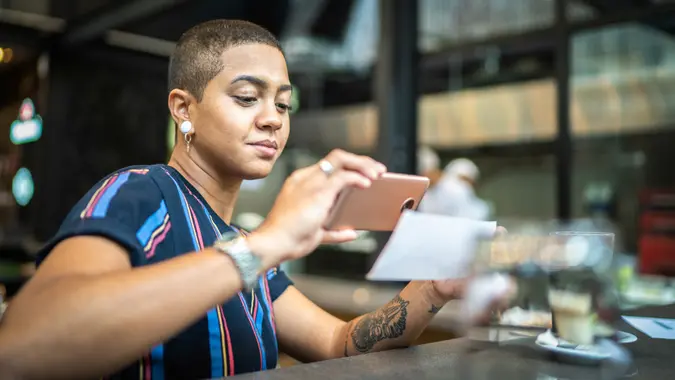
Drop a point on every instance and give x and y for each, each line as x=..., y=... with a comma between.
x=234, y=245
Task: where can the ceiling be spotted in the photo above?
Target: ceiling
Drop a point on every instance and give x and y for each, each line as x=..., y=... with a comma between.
x=331, y=45
x=44, y=24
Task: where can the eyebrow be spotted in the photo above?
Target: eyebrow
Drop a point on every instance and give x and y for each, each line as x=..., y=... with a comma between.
x=258, y=82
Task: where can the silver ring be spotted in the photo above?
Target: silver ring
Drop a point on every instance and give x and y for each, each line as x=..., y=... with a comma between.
x=326, y=167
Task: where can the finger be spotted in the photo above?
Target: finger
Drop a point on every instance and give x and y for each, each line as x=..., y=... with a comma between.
x=500, y=304
x=497, y=305
x=503, y=301
x=339, y=236
x=344, y=179
x=512, y=291
x=483, y=319
x=301, y=175
x=349, y=161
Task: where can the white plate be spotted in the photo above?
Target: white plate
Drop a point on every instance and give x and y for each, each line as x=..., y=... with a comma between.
x=592, y=353
x=608, y=332
x=625, y=337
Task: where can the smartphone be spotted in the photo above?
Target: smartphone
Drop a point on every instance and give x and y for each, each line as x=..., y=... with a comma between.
x=378, y=207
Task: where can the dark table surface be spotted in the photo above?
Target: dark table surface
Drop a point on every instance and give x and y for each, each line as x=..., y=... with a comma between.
x=470, y=359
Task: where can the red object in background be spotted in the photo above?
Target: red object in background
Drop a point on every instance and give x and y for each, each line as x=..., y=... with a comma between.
x=656, y=242
x=652, y=199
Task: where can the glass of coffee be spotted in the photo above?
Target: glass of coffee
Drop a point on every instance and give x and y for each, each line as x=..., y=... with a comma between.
x=573, y=315
x=580, y=249
x=580, y=287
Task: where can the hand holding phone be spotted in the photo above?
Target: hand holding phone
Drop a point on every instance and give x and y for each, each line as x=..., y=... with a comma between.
x=378, y=207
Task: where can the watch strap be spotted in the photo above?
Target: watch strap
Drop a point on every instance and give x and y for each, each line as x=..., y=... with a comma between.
x=248, y=264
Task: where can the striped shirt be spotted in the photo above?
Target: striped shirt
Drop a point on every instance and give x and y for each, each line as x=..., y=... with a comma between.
x=156, y=215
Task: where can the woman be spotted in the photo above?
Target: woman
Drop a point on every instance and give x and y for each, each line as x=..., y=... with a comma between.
x=455, y=195
x=146, y=279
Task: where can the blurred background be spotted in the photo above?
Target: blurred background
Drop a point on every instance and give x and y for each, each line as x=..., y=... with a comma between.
x=567, y=108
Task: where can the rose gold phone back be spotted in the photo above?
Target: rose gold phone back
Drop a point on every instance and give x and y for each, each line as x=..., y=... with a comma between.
x=379, y=207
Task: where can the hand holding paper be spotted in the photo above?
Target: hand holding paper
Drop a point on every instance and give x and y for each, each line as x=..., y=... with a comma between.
x=437, y=247
x=430, y=247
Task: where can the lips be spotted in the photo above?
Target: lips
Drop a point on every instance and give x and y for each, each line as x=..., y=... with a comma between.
x=266, y=143
x=265, y=149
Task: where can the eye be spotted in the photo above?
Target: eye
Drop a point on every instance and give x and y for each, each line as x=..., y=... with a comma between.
x=284, y=107
x=246, y=100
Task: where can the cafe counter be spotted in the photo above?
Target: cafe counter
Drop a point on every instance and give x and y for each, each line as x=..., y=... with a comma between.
x=483, y=356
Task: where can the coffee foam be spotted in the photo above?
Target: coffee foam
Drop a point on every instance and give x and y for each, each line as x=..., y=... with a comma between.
x=567, y=302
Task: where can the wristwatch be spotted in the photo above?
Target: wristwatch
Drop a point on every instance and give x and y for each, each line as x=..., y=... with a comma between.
x=248, y=264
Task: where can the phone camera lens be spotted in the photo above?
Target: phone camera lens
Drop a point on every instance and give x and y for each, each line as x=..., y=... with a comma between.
x=408, y=204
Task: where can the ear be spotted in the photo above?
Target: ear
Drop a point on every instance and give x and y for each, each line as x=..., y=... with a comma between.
x=179, y=105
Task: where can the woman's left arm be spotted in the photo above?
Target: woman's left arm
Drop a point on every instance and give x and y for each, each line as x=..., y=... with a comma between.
x=308, y=333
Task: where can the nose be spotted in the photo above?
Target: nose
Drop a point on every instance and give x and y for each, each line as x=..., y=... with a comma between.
x=269, y=117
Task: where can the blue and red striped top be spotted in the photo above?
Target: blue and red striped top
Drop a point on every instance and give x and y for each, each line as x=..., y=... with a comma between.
x=156, y=215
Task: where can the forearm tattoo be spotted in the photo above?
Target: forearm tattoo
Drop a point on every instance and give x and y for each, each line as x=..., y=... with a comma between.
x=387, y=322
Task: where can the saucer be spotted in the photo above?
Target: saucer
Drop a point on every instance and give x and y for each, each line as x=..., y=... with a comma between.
x=625, y=337
x=602, y=330
x=586, y=353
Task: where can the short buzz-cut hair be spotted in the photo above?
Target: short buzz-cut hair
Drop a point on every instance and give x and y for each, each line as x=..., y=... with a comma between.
x=197, y=57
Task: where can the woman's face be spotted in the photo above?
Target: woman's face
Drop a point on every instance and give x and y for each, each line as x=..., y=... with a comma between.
x=242, y=123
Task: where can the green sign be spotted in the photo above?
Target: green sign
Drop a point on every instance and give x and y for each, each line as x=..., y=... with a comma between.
x=295, y=99
x=23, y=187
x=171, y=135
x=28, y=127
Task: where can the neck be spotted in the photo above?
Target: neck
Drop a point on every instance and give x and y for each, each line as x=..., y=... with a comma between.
x=220, y=193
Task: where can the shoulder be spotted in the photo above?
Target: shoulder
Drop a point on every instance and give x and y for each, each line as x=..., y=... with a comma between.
x=122, y=188
x=117, y=208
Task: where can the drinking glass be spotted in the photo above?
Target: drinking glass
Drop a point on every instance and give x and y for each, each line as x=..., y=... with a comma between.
x=582, y=295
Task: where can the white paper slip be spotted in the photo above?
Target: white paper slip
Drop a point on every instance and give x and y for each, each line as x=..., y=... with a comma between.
x=658, y=328
x=430, y=247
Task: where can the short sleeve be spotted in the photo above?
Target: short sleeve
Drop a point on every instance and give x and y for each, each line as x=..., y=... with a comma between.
x=278, y=282
x=120, y=208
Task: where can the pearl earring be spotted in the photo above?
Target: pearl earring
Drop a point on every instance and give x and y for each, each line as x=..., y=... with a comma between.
x=186, y=129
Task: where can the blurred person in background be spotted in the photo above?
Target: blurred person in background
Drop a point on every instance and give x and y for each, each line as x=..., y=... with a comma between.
x=147, y=278
x=454, y=192
x=429, y=164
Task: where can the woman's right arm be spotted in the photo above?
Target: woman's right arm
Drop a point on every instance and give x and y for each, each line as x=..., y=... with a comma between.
x=86, y=311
